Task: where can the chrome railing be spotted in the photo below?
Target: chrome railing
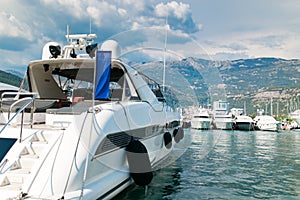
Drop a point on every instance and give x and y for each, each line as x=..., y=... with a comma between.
x=2, y=165
x=28, y=101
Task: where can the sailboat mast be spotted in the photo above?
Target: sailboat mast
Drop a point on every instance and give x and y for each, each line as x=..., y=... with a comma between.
x=271, y=107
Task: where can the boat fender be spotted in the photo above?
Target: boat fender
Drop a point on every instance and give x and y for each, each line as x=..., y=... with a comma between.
x=168, y=140
x=181, y=133
x=178, y=134
x=139, y=163
x=176, y=138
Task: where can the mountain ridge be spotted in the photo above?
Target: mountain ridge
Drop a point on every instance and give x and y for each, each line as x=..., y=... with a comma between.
x=240, y=80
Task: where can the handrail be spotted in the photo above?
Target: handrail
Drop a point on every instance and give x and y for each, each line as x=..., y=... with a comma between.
x=17, y=94
x=27, y=103
x=17, y=102
x=2, y=165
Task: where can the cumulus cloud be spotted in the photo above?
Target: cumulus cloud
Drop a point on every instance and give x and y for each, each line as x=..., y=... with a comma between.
x=179, y=10
x=231, y=30
x=128, y=14
x=13, y=27
x=134, y=5
x=23, y=23
x=179, y=16
x=252, y=44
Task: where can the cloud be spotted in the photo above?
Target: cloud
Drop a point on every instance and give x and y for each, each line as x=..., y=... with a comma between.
x=136, y=6
x=127, y=14
x=179, y=16
x=25, y=22
x=13, y=27
x=281, y=44
x=232, y=28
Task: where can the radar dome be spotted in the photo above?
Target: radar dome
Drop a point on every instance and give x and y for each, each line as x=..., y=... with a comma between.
x=113, y=46
x=47, y=52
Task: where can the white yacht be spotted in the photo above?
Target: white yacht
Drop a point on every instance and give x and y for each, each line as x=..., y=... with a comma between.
x=296, y=116
x=88, y=127
x=266, y=123
x=201, y=119
x=243, y=122
x=222, y=119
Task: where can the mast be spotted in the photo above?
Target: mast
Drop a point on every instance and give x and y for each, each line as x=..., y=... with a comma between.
x=165, y=50
x=68, y=33
x=90, y=25
x=271, y=107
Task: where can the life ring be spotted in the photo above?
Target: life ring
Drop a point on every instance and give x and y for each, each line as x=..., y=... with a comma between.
x=168, y=140
x=139, y=163
x=178, y=134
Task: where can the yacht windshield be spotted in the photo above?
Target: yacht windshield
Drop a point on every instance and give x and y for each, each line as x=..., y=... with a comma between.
x=74, y=81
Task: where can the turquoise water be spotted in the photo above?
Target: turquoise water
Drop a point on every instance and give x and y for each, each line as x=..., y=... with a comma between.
x=229, y=165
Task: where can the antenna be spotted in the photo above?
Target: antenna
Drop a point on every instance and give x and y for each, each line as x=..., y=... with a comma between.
x=165, y=50
x=90, y=25
x=68, y=33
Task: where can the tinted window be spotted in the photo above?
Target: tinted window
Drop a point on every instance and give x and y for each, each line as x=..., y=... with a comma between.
x=5, y=145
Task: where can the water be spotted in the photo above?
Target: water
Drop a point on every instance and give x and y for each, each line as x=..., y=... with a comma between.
x=229, y=165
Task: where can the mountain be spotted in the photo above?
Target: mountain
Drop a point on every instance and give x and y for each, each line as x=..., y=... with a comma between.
x=16, y=70
x=256, y=82
x=9, y=78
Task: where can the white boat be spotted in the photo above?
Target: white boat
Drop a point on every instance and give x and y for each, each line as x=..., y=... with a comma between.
x=223, y=122
x=88, y=142
x=222, y=119
x=7, y=88
x=296, y=116
x=243, y=122
x=201, y=120
x=266, y=123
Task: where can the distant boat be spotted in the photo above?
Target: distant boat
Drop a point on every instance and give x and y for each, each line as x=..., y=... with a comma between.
x=296, y=116
x=222, y=119
x=266, y=123
x=243, y=122
x=7, y=88
x=223, y=122
x=201, y=119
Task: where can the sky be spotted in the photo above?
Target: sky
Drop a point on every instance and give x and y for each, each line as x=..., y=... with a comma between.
x=218, y=29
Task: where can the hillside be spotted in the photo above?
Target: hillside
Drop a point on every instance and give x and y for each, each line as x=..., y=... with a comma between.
x=11, y=79
x=254, y=81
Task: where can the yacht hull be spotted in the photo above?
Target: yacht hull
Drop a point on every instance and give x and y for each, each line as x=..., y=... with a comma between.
x=200, y=124
x=223, y=123
x=65, y=167
x=246, y=126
